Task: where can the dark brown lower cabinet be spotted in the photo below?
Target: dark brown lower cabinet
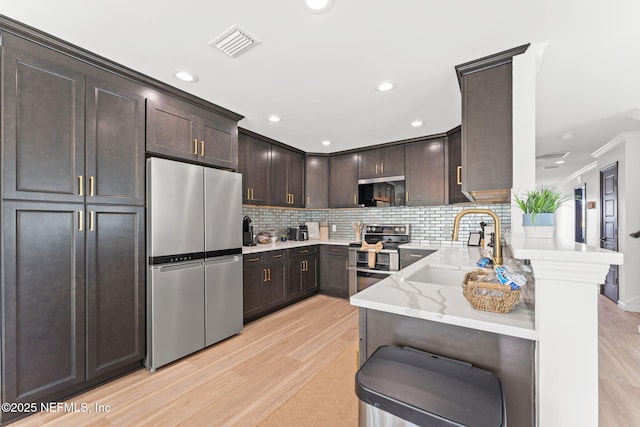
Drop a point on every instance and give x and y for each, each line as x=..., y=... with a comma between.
x=264, y=283
x=115, y=291
x=72, y=298
x=303, y=274
x=334, y=270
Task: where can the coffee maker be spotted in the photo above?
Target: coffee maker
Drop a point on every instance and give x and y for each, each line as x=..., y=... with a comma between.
x=247, y=232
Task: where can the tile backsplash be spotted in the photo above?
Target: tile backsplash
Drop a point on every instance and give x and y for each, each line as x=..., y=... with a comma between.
x=427, y=223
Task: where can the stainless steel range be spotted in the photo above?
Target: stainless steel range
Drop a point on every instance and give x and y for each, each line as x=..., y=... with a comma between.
x=370, y=265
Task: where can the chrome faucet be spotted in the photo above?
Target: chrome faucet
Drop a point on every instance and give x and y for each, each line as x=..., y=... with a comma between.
x=497, y=244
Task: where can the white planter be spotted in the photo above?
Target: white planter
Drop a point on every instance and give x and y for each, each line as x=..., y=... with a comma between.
x=539, y=226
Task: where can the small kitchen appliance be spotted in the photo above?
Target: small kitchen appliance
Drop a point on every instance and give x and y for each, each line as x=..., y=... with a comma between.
x=300, y=232
x=247, y=232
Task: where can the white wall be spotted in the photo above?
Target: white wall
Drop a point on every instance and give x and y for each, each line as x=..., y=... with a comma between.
x=626, y=153
x=524, y=128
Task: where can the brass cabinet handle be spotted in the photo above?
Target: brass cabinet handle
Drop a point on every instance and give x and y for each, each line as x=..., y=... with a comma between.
x=269, y=274
x=406, y=196
x=302, y=266
x=91, y=215
x=264, y=275
x=201, y=148
x=459, y=175
x=91, y=180
x=381, y=167
x=252, y=194
x=253, y=260
x=247, y=193
x=80, y=189
x=308, y=200
x=304, y=251
x=355, y=199
x=376, y=169
x=195, y=147
x=80, y=220
x=292, y=199
x=277, y=256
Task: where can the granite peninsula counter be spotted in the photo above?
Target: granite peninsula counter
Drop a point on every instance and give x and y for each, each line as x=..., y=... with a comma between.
x=545, y=352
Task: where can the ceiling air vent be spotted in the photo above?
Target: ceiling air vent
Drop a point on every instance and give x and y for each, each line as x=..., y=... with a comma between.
x=234, y=41
x=553, y=156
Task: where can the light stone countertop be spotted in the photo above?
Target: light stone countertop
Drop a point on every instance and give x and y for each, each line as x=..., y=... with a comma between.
x=292, y=244
x=410, y=292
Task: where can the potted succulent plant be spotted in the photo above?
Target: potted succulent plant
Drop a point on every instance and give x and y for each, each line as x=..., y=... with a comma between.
x=539, y=207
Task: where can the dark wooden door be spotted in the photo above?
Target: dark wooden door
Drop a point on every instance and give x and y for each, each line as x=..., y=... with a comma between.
x=172, y=129
x=256, y=176
x=218, y=141
x=42, y=124
x=115, y=140
x=277, y=278
x=343, y=181
x=369, y=164
x=280, y=195
x=294, y=280
x=310, y=274
x=609, y=224
x=424, y=162
x=580, y=201
x=43, y=299
x=334, y=270
x=115, y=287
x=254, y=277
x=392, y=161
x=454, y=172
x=487, y=129
x=317, y=182
x=295, y=179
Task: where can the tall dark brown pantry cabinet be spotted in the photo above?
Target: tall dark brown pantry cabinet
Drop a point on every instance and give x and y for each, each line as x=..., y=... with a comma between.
x=72, y=224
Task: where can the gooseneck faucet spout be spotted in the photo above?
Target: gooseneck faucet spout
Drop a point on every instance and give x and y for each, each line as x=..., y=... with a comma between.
x=497, y=248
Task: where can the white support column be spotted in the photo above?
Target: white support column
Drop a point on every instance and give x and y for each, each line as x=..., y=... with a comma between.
x=567, y=276
x=567, y=350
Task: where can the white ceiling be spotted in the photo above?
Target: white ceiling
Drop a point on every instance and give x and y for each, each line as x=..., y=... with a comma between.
x=319, y=71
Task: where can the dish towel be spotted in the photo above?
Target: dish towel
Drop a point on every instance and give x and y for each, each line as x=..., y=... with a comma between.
x=373, y=250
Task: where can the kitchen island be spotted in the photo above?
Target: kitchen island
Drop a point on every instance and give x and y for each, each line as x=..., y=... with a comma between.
x=545, y=351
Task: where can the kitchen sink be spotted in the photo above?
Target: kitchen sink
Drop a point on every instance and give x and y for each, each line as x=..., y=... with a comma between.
x=440, y=276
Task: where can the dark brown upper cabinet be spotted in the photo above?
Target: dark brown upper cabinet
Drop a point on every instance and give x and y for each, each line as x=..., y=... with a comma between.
x=454, y=172
x=182, y=130
x=287, y=177
x=317, y=182
x=254, y=163
x=381, y=162
x=271, y=174
x=425, y=172
x=343, y=181
x=487, y=126
x=43, y=98
x=71, y=132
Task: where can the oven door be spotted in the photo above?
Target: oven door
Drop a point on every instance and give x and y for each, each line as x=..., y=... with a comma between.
x=366, y=278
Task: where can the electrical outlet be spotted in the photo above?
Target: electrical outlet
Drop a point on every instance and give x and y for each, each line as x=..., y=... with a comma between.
x=334, y=228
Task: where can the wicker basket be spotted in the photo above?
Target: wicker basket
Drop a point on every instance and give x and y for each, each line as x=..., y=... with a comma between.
x=492, y=297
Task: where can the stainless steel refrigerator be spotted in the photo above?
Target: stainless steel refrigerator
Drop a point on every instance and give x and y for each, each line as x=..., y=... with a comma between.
x=194, y=248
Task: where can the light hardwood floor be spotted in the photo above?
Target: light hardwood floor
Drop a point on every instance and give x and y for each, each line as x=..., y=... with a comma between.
x=242, y=380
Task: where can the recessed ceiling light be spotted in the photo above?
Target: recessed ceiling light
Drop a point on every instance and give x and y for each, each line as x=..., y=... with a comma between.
x=417, y=123
x=326, y=142
x=385, y=86
x=567, y=136
x=185, y=76
x=319, y=6
x=274, y=119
